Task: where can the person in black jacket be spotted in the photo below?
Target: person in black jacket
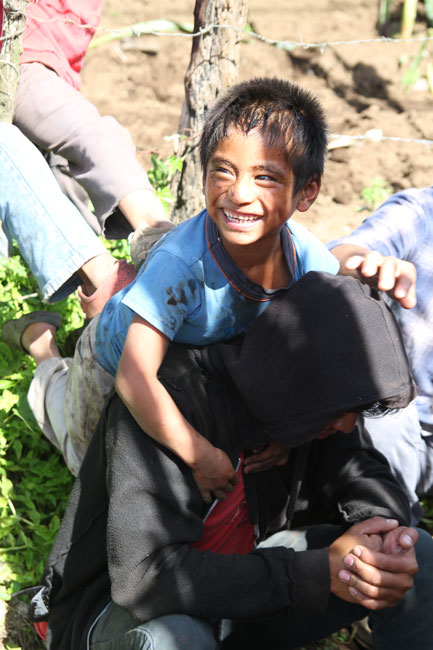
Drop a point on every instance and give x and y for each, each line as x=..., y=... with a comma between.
x=142, y=563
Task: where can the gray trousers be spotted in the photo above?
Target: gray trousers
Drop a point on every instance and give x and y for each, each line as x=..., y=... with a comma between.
x=96, y=150
x=408, y=451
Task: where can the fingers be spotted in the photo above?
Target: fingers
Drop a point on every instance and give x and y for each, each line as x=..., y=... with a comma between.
x=378, y=580
x=374, y=525
x=364, y=557
x=399, y=540
x=387, y=273
x=408, y=537
x=205, y=495
x=373, y=584
x=272, y=455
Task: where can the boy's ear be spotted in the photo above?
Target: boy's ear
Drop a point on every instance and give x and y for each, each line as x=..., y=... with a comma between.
x=309, y=193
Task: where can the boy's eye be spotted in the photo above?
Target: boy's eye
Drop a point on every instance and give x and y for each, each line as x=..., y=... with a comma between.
x=266, y=177
x=222, y=173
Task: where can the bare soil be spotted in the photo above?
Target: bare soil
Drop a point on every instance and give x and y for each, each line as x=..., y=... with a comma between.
x=359, y=85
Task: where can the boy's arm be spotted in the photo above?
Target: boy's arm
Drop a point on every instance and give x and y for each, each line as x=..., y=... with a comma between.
x=388, y=273
x=157, y=414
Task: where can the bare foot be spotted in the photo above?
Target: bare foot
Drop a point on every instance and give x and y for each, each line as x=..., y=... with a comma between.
x=40, y=342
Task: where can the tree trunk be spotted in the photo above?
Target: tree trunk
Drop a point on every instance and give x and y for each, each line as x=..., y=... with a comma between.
x=213, y=67
x=14, y=20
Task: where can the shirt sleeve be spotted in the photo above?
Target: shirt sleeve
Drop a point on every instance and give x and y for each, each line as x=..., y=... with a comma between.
x=311, y=253
x=396, y=228
x=165, y=294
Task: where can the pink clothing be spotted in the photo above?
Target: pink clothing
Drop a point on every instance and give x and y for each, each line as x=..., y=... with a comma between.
x=57, y=44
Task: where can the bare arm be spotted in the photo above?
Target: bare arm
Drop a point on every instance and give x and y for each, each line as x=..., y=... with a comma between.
x=395, y=276
x=157, y=414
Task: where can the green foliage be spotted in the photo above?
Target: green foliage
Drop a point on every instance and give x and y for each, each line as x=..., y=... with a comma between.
x=417, y=67
x=161, y=175
x=375, y=194
x=34, y=482
x=336, y=641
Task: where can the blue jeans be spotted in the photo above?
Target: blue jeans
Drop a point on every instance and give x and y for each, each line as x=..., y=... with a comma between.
x=52, y=236
x=407, y=624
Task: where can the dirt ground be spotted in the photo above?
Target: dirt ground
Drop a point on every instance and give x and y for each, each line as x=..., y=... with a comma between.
x=359, y=85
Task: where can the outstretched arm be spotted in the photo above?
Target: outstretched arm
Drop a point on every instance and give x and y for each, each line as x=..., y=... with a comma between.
x=157, y=414
x=395, y=276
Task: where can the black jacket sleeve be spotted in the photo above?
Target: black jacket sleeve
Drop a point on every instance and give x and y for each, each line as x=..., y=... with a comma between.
x=354, y=479
x=155, y=511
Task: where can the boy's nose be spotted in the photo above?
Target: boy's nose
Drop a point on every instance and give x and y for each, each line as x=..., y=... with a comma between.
x=242, y=190
x=345, y=423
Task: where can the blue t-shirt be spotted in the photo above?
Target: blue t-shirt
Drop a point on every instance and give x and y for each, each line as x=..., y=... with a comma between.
x=191, y=290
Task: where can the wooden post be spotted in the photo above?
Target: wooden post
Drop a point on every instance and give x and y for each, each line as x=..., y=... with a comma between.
x=213, y=67
x=14, y=20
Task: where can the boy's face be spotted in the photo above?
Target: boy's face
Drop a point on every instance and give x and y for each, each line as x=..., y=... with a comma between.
x=248, y=187
x=344, y=423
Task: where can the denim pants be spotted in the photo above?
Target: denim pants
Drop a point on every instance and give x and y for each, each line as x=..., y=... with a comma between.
x=52, y=236
x=407, y=624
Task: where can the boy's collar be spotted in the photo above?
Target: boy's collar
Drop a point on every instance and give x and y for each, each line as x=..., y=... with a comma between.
x=233, y=273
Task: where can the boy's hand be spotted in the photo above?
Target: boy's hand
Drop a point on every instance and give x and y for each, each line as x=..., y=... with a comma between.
x=390, y=274
x=214, y=474
x=400, y=540
x=377, y=580
x=379, y=569
x=273, y=454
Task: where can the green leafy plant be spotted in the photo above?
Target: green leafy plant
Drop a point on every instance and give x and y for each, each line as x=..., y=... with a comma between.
x=375, y=194
x=161, y=174
x=419, y=66
x=34, y=482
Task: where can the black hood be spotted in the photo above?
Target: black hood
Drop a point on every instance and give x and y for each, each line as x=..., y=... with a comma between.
x=328, y=346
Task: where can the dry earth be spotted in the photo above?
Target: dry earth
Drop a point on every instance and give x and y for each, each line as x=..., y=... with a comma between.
x=358, y=84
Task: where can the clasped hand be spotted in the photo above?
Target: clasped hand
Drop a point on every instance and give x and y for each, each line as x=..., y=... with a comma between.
x=373, y=563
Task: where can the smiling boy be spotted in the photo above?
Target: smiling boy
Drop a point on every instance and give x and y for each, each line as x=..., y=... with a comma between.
x=262, y=151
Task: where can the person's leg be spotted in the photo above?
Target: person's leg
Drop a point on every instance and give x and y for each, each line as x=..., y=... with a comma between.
x=51, y=234
x=398, y=437
x=66, y=396
x=425, y=484
x=100, y=152
x=117, y=630
x=407, y=624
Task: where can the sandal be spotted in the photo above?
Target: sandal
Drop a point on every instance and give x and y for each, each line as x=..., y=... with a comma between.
x=13, y=330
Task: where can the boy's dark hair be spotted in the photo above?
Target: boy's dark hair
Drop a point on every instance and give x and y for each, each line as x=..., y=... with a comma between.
x=284, y=114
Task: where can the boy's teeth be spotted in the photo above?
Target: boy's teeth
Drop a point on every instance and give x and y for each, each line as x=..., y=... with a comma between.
x=239, y=218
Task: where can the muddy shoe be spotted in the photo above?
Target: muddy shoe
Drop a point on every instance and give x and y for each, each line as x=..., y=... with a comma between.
x=122, y=274
x=12, y=330
x=142, y=240
x=362, y=635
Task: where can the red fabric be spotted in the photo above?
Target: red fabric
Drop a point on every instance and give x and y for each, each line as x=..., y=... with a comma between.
x=59, y=45
x=228, y=528
x=1, y=24
x=41, y=629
